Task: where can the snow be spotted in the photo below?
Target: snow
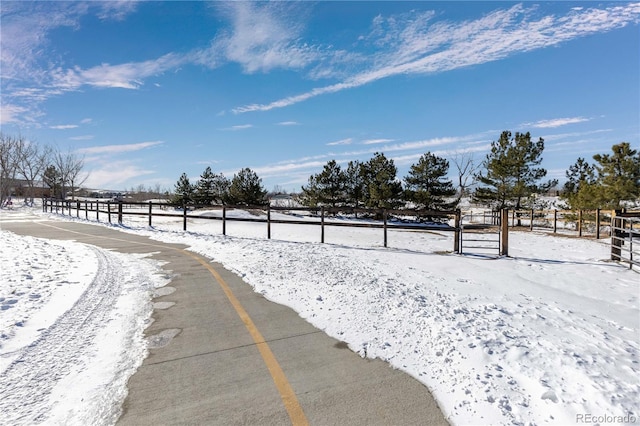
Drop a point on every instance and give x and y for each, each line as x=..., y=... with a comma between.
x=549, y=335
x=72, y=318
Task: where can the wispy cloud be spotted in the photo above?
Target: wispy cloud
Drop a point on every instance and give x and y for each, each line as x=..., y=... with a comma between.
x=238, y=127
x=288, y=123
x=115, y=174
x=415, y=45
x=376, y=141
x=82, y=138
x=124, y=76
x=557, y=122
x=64, y=126
x=118, y=149
x=346, y=141
x=262, y=37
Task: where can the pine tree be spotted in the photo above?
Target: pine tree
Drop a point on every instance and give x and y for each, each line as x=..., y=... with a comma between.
x=427, y=186
x=580, y=189
x=327, y=187
x=310, y=194
x=246, y=189
x=183, y=193
x=211, y=188
x=53, y=179
x=511, y=172
x=382, y=189
x=354, y=184
x=618, y=175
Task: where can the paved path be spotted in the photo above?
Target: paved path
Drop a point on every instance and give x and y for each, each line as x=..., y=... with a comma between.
x=222, y=354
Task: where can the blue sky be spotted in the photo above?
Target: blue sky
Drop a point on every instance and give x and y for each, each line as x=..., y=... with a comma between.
x=148, y=90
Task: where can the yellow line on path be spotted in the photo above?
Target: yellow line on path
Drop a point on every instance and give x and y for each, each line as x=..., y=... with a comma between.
x=287, y=394
x=286, y=391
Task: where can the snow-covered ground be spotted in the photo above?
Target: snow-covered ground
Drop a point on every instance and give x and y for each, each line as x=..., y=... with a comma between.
x=549, y=335
x=72, y=318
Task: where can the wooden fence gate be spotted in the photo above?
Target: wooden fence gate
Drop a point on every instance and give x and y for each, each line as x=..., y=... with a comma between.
x=625, y=239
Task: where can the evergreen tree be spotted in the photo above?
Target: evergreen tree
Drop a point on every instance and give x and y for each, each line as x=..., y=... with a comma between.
x=511, y=172
x=53, y=179
x=327, y=187
x=246, y=189
x=354, y=184
x=212, y=188
x=382, y=189
x=310, y=194
x=618, y=175
x=580, y=189
x=427, y=186
x=184, y=191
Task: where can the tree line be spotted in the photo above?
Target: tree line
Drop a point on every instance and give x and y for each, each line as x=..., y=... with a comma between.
x=214, y=188
x=32, y=163
x=509, y=176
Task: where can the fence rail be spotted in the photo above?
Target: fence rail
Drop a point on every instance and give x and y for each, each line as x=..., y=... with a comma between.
x=118, y=209
x=582, y=222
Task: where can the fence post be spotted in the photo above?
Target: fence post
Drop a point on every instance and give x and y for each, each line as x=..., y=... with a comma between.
x=224, y=220
x=597, y=224
x=555, y=220
x=616, y=242
x=456, y=232
x=109, y=210
x=322, y=224
x=504, y=233
x=630, y=245
x=531, y=223
x=384, y=225
x=120, y=212
x=579, y=223
x=184, y=216
x=269, y=222
x=77, y=208
x=150, y=212
x=86, y=211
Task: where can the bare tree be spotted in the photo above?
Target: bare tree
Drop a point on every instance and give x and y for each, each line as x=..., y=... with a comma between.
x=466, y=168
x=10, y=153
x=70, y=167
x=32, y=164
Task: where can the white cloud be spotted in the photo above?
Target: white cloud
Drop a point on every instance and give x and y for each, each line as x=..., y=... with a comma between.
x=64, y=126
x=284, y=169
x=264, y=36
x=346, y=141
x=14, y=114
x=116, y=9
x=115, y=174
x=288, y=123
x=82, y=138
x=412, y=45
x=118, y=149
x=376, y=141
x=557, y=122
x=239, y=127
x=124, y=76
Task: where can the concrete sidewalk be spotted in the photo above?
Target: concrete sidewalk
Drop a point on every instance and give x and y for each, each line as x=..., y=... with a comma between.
x=209, y=362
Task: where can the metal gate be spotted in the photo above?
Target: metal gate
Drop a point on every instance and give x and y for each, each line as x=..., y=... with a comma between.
x=625, y=239
x=480, y=239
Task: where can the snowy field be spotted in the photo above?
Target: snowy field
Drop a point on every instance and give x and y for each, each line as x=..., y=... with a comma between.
x=549, y=335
